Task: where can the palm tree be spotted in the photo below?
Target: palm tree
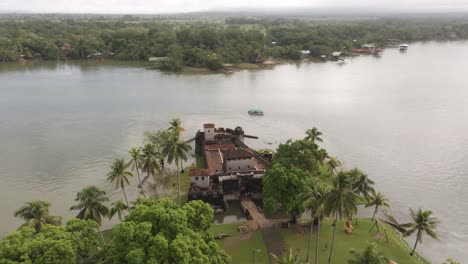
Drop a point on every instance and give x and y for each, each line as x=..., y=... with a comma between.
x=36, y=214
x=313, y=135
x=361, y=183
x=423, y=222
x=377, y=200
x=90, y=204
x=119, y=174
x=150, y=160
x=340, y=201
x=158, y=139
x=175, y=127
x=286, y=258
x=118, y=208
x=368, y=256
x=313, y=195
x=176, y=151
x=333, y=165
x=135, y=164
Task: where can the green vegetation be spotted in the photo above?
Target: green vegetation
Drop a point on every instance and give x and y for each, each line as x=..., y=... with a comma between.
x=367, y=256
x=51, y=244
x=176, y=150
x=209, y=43
x=91, y=205
x=239, y=246
x=120, y=175
x=118, y=208
x=378, y=200
x=301, y=177
x=162, y=232
x=423, y=222
x=395, y=249
x=135, y=164
x=36, y=215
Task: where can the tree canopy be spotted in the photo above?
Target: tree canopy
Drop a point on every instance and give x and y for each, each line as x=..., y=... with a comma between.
x=209, y=43
x=162, y=232
x=51, y=245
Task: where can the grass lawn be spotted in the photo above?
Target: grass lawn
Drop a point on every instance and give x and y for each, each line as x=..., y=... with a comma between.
x=395, y=249
x=240, y=246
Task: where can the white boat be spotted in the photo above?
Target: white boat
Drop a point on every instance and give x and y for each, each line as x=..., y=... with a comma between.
x=403, y=47
x=255, y=112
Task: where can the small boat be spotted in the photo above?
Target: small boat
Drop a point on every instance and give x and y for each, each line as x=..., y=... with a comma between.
x=255, y=112
x=378, y=52
x=403, y=47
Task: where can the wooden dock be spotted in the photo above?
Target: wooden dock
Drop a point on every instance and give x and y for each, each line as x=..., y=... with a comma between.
x=251, y=208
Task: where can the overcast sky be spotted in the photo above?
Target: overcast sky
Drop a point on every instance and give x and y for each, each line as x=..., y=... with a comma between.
x=178, y=6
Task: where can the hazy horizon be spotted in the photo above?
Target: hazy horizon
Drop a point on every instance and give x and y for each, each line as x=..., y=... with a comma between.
x=186, y=6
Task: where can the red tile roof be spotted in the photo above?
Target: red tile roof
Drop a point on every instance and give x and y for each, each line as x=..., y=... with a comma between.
x=199, y=172
x=238, y=153
x=209, y=125
x=222, y=146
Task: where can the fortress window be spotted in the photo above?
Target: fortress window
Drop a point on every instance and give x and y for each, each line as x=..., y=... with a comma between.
x=196, y=178
x=202, y=178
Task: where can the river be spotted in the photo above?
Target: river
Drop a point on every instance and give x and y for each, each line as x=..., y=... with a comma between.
x=402, y=118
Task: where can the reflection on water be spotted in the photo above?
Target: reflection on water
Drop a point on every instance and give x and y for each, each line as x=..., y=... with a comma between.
x=401, y=118
x=234, y=214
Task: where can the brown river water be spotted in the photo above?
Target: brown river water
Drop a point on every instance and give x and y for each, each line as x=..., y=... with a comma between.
x=402, y=118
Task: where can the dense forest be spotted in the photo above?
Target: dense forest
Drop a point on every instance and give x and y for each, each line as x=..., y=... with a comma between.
x=208, y=42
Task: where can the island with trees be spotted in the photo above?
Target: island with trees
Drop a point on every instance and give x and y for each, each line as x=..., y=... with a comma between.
x=310, y=206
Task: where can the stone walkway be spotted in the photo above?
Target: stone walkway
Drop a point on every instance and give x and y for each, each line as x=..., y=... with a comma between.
x=273, y=240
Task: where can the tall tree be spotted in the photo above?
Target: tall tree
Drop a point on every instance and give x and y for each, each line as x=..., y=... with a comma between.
x=333, y=164
x=313, y=135
x=423, y=222
x=313, y=195
x=340, y=201
x=90, y=203
x=120, y=175
x=367, y=256
x=301, y=154
x=176, y=151
x=162, y=232
x=175, y=127
x=284, y=186
x=135, y=163
x=377, y=200
x=361, y=183
x=150, y=160
x=51, y=245
x=118, y=209
x=36, y=214
x=158, y=139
